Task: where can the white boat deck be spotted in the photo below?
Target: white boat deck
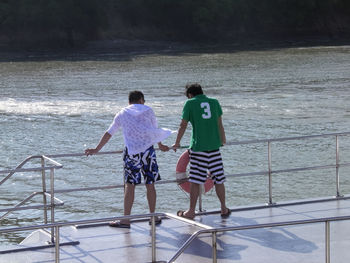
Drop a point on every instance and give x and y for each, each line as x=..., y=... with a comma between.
x=293, y=243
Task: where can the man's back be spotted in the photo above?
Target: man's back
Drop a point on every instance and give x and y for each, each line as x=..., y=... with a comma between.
x=139, y=126
x=203, y=113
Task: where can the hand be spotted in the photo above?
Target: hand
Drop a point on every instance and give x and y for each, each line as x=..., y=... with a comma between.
x=175, y=146
x=90, y=152
x=223, y=142
x=163, y=148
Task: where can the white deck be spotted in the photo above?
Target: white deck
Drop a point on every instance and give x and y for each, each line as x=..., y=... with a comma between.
x=299, y=243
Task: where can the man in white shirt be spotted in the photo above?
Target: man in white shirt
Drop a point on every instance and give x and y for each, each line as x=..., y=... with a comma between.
x=140, y=131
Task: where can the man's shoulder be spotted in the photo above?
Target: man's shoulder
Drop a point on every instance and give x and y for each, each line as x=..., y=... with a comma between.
x=135, y=109
x=210, y=100
x=213, y=99
x=189, y=102
x=199, y=99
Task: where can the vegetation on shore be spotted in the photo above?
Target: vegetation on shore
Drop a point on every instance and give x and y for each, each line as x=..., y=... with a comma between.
x=72, y=23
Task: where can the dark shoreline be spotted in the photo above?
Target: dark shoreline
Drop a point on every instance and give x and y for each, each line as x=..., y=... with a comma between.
x=123, y=49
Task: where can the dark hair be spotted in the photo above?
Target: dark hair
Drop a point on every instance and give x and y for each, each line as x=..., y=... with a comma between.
x=193, y=89
x=135, y=96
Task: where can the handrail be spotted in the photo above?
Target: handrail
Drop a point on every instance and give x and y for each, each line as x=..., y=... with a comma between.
x=206, y=229
x=11, y=172
x=57, y=225
x=213, y=231
x=37, y=169
x=268, y=172
x=288, y=138
x=228, y=143
x=19, y=168
x=56, y=165
x=19, y=207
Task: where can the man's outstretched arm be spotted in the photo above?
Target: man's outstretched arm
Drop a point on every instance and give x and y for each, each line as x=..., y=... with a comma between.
x=105, y=138
x=180, y=134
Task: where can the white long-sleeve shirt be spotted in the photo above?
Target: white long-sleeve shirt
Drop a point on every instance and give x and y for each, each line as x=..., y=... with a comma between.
x=140, y=128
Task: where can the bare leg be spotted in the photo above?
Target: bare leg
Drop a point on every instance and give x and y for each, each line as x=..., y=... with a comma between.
x=220, y=192
x=194, y=193
x=151, y=197
x=128, y=200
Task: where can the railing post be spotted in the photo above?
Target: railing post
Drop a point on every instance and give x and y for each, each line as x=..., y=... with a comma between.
x=153, y=219
x=327, y=242
x=43, y=179
x=337, y=165
x=52, y=192
x=57, y=244
x=214, y=247
x=270, y=171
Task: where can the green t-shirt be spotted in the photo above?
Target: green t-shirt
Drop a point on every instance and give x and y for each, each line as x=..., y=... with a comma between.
x=203, y=113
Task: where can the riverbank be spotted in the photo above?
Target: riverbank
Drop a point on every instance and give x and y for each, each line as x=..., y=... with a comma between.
x=121, y=49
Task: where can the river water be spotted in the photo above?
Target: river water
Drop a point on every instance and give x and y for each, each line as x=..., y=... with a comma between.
x=64, y=106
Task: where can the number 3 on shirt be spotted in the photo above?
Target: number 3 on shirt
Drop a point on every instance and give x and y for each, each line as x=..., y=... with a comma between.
x=207, y=112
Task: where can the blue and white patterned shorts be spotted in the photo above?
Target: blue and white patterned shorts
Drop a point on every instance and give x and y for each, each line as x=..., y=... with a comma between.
x=144, y=163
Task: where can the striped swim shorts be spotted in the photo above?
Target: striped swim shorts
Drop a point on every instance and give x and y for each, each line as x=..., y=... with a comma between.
x=202, y=162
x=144, y=163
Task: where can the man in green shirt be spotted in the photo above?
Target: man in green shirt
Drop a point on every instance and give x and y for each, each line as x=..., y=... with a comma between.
x=208, y=135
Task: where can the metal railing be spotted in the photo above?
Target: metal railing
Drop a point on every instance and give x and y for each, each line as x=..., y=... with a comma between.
x=214, y=231
x=206, y=229
x=269, y=172
x=57, y=225
x=51, y=194
x=55, y=165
